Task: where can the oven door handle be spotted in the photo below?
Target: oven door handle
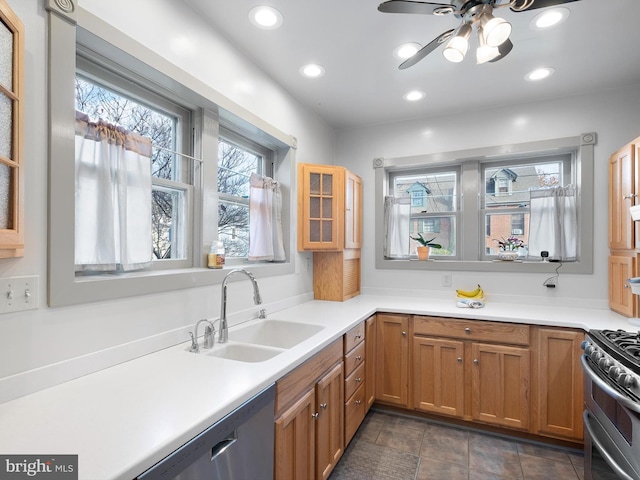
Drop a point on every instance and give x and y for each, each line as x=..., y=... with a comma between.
x=596, y=442
x=612, y=392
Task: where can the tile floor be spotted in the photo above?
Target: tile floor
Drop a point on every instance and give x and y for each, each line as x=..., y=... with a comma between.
x=389, y=446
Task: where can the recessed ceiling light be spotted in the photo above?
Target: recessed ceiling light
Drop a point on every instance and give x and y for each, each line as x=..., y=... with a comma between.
x=406, y=50
x=539, y=74
x=414, y=95
x=549, y=18
x=267, y=18
x=312, y=70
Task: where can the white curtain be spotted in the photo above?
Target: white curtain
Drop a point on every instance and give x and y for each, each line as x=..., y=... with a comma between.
x=265, y=220
x=112, y=198
x=553, y=224
x=397, y=212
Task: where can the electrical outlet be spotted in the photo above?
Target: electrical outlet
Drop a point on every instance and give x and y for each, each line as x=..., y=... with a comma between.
x=446, y=279
x=19, y=293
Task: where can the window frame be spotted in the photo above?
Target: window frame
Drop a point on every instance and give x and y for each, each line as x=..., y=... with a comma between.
x=67, y=30
x=473, y=230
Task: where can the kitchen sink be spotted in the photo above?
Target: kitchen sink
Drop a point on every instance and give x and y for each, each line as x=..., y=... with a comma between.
x=242, y=353
x=275, y=333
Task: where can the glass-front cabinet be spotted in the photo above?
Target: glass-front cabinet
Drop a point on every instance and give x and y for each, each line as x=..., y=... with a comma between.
x=11, y=132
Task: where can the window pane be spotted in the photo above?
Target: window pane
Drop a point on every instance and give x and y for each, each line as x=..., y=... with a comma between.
x=429, y=193
x=508, y=185
x=441, y=229
x=235, y=168
x=6, y=123
x=233, y=228
x=167, y=212
x=500, y=226
x=6, y=56
x=6, y=178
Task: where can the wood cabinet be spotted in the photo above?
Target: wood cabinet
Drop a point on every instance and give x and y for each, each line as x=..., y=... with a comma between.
x=370, y=354
x=622, y=266
x=559, y=383
x=12, y=134
x=392, y=359
x=330, y=225
x=624, y=233
x=309, y=425
x=457, y=372
x=355, y=362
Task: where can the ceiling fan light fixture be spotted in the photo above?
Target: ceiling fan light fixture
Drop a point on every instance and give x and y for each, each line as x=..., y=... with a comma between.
x=496, y=30
x=457, y=47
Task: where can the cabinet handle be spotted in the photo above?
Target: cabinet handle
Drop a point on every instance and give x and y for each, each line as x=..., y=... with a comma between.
x=358, y=402
x=359, y=357
x=467, y=330
x=358, y=380
x=459, y=359
x=315, y=415
x=358, y=337
x=631, y=195
x=404, y=334
x=323, y=405
x=475, y=361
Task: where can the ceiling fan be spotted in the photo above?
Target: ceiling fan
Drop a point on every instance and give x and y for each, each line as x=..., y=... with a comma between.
x=493, y=32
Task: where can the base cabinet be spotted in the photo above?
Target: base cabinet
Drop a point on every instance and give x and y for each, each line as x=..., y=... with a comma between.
x=309, y=425
x=392, y=359
x=559, y=381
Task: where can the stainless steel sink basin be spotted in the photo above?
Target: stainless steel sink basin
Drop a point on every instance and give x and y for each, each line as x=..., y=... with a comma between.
x=242, y=353
x=275, y=333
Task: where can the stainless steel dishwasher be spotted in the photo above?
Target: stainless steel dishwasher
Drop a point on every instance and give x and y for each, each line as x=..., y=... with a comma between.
x=238, y=447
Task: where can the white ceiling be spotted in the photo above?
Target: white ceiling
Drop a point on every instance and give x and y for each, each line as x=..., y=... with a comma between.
x=597, y=47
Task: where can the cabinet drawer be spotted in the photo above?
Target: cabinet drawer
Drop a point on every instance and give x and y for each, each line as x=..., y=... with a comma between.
x=354, y=411
x=472, y=329
x=353, y=381
x=354, y=359
x=353, y=337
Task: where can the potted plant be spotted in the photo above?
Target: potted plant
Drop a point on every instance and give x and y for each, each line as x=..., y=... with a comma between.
x=423, y=249
x=509, y=248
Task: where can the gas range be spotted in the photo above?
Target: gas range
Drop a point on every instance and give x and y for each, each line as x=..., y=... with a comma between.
x=615, y=355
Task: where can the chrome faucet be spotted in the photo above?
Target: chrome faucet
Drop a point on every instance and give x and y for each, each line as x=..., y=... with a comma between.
x=223, y=335
x=209, y=336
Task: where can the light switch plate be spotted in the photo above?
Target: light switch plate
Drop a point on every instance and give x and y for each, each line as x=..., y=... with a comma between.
x=19, y=293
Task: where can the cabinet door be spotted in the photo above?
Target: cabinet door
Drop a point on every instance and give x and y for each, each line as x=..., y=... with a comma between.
x=12, y=96
x=353, y=211
x=560, y=383
x=621, y=197
x=500, y=385
x=370, y=364
x=295, y=440
x=622, y=267
x=392, y=359
x=320, y=207
x=330, y=421
x=438, y=375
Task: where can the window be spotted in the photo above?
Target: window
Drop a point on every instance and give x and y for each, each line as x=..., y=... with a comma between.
x=167, y=125
x=434, y=206
x=238, y=158
x=187, y=128
x=474, y=197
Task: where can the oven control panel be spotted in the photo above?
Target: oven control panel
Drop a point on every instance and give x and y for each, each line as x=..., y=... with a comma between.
x=611, y=368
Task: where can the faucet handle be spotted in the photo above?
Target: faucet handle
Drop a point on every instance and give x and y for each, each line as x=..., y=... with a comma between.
x=263, y=313
x=209, y=336
x=194, y=344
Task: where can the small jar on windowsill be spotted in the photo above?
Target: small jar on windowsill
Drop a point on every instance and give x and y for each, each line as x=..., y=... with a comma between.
x=508, y=255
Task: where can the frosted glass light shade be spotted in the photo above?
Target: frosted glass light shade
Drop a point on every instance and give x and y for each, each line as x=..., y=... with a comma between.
x=486, y=54
x=457, y=47
x=496, y=31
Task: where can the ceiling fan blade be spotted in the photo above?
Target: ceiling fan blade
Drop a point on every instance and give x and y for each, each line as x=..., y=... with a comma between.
x=409, y=6
x=545, y=4
x=504, y=50
x=426, y=50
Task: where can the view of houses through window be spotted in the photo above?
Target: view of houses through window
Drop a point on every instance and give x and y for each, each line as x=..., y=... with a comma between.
x=504, y=201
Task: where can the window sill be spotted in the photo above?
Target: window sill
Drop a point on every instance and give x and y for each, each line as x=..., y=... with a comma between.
x=527, y=266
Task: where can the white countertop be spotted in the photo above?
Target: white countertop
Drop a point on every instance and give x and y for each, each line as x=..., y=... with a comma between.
x=124, y=419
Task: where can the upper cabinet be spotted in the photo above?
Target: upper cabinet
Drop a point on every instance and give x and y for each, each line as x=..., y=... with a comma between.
x=11, y=132
x=329, y=208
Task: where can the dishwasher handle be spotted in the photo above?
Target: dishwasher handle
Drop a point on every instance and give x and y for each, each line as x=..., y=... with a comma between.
x=219, y=448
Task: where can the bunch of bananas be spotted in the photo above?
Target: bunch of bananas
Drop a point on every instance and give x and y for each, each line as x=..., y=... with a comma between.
x=477, y=294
